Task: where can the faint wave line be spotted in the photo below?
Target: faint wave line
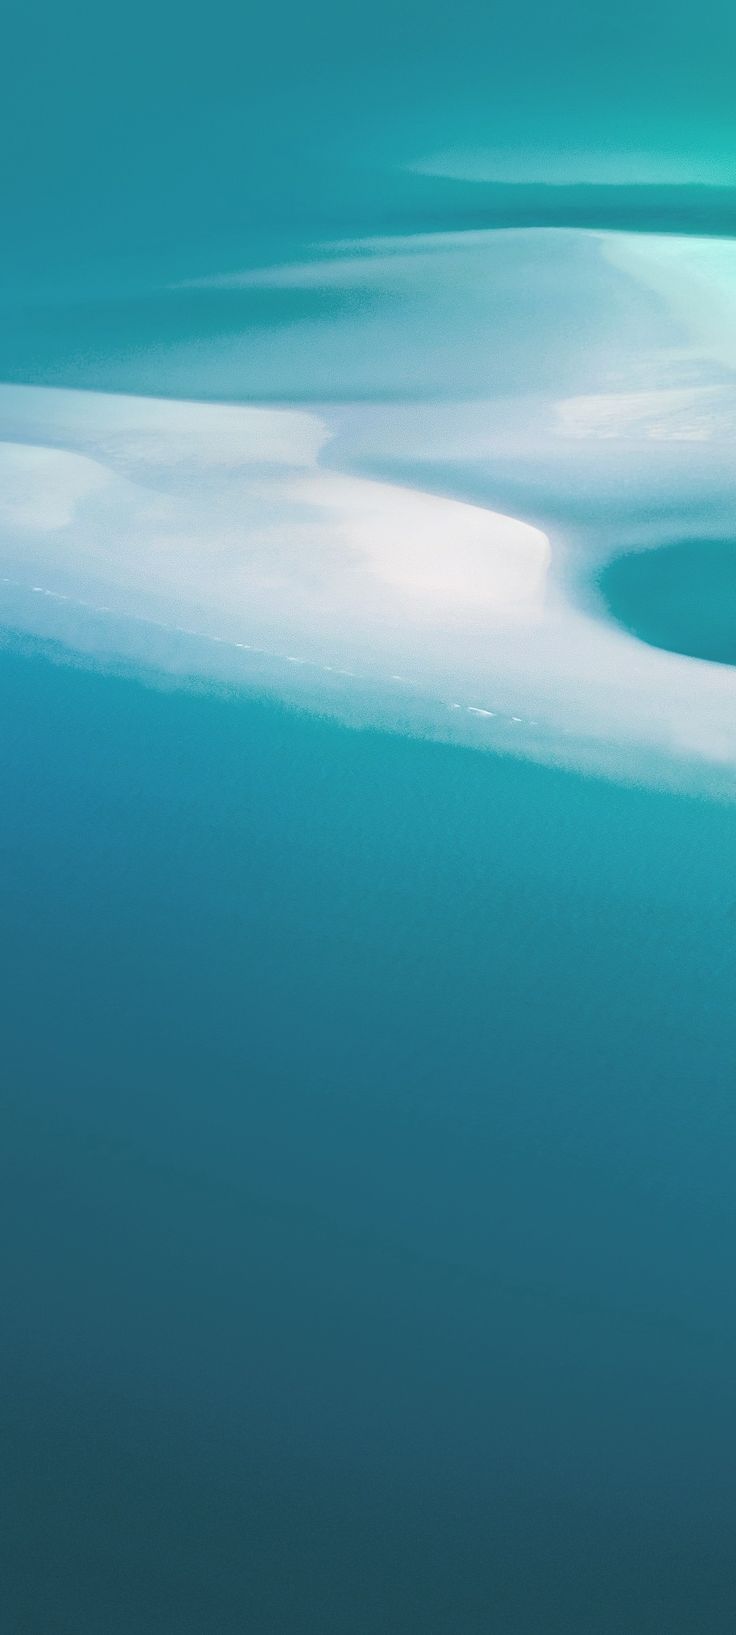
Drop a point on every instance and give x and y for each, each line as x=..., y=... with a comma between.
x=478, y=711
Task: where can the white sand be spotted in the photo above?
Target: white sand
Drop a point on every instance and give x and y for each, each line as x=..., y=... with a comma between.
x=253, y=528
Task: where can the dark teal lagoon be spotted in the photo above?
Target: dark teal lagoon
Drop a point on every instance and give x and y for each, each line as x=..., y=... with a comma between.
x=681, y=596
x=368, y=1181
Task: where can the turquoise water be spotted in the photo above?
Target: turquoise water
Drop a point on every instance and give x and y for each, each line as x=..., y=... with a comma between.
x=186, y=142
x=368, y=1128
x=367, y=1179
x=681, y=597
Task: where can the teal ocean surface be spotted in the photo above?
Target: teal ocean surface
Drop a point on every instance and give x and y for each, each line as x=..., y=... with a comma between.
x=367, y=1179
x=368, y=745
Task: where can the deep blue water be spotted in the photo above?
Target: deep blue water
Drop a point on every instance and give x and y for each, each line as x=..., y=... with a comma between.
x=368, y=1180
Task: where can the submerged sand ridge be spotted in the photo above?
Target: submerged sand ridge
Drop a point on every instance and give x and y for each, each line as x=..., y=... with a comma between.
x=436, y=548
